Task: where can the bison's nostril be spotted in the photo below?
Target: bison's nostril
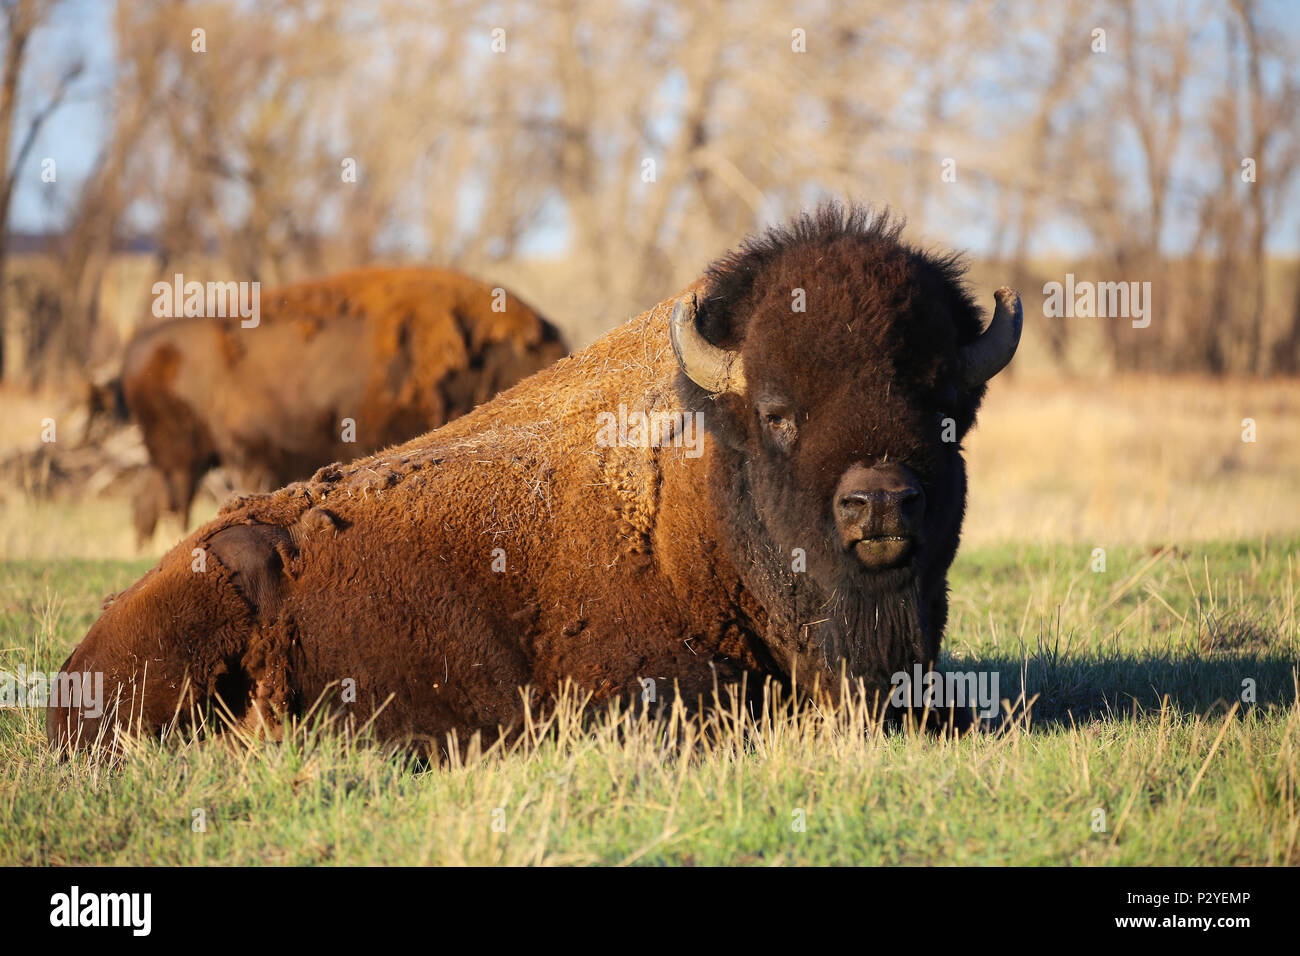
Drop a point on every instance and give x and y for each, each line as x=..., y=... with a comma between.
x=854, y=499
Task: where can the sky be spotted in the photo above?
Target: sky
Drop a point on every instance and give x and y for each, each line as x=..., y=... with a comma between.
x=72, y=135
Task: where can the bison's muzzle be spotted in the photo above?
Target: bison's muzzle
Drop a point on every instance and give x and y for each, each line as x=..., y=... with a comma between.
x=878, y=511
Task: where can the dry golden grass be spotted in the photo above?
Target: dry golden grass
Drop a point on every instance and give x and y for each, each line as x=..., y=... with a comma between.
x=21, y=414
x=1095, y=462
x=1134, y=460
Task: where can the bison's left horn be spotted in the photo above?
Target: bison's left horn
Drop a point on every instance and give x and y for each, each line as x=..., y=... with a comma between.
x=712, y=368
x=990, y=353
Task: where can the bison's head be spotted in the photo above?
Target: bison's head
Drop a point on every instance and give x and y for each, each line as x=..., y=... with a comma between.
x=839, y=369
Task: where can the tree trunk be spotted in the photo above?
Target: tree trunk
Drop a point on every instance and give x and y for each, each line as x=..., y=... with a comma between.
x=20, y=22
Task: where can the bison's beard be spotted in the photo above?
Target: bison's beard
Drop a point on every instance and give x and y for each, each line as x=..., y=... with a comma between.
x=874, y=629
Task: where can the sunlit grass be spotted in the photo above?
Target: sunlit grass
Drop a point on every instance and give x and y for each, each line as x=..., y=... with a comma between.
x=1138, y=748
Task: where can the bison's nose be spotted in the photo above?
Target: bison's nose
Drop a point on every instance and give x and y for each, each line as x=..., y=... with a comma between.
x=878, y=511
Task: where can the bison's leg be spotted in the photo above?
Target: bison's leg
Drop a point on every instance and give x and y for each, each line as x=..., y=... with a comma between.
x=170, y=488
x=146, y=505
x=195, y=628
x=182, y=483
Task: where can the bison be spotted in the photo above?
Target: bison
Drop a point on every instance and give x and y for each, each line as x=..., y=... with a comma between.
x=580, y=528
x=335, y=368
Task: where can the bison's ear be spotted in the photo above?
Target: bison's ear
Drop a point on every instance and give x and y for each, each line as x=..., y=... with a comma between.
x=990, y=353
x=709, y=366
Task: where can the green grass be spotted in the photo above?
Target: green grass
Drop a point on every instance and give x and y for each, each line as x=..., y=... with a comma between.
x=1135, y=677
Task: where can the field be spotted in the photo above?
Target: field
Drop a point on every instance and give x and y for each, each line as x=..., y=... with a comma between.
x=1155, y=710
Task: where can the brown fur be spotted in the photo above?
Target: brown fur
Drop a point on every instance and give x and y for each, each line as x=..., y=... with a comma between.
x=621, y=563
x=399, y=351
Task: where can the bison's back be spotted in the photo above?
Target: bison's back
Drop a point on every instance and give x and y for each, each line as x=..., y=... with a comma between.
x=334, y=369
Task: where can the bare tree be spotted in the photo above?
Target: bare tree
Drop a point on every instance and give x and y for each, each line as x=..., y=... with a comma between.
x=21, y=19
x=630, y=142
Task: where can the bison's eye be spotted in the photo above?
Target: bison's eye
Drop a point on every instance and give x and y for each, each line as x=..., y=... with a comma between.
x=777, y=422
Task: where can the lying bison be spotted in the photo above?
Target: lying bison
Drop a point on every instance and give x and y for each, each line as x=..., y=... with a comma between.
x=334, y=369
x=579, y=527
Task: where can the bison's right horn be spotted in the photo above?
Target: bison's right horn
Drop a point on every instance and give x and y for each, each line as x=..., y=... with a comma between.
x=990, y=353
x=712, y=368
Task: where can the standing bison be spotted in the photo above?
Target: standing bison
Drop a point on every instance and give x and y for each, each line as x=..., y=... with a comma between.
x=335, y=369
x=807, y=528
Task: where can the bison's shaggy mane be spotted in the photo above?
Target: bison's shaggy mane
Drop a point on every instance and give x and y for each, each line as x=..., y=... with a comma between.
x=876, y=233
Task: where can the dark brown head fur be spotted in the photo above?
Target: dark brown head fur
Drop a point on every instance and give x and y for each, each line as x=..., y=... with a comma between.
x=866, y=377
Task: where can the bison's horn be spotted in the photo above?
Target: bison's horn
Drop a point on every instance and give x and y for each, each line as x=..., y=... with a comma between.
x=990, y=353
x=712, y=368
